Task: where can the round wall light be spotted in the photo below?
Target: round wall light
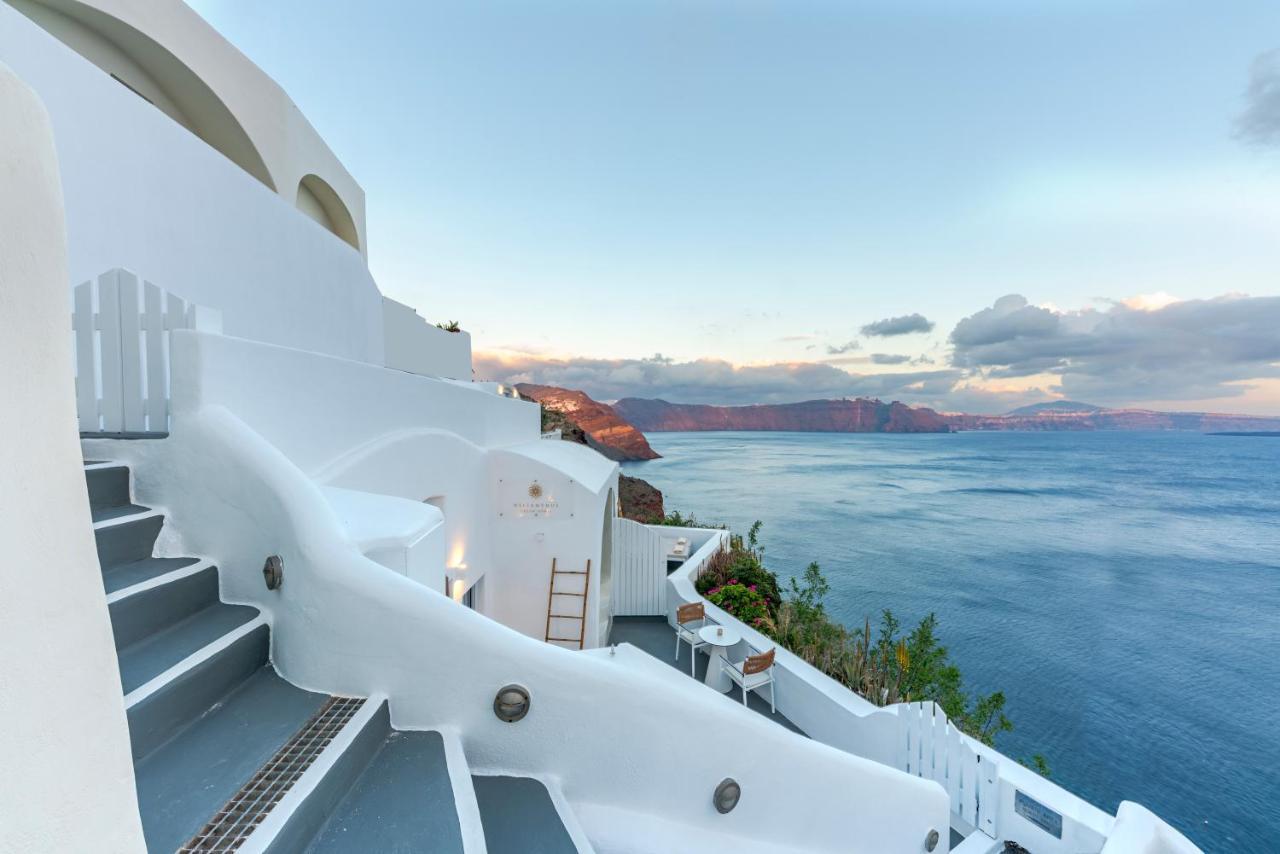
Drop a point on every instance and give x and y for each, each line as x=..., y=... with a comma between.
x=727, y=795
x=273, y=572
x=511, y=703
x=931, y=841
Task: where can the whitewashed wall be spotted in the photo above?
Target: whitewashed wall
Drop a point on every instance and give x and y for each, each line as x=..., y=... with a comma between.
x=599, y=731
x=414, y=345
x=142, y=192
x=67, y=783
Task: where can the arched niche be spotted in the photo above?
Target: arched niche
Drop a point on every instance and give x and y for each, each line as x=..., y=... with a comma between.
x=318, y=200
x=153, y=73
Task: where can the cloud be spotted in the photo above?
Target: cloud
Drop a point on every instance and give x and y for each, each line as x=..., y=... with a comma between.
x=712, y=380
x=1188, y=350
x=1259, y=124
x=904, y=325
x=840, y=349
x=1143, y=349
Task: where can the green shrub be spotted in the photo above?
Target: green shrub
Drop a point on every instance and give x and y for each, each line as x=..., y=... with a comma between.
x=884, y=666
x=743, y=601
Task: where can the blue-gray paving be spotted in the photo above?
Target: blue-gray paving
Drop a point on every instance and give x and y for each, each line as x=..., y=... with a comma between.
x=186, y=779
x=519, y=816
x=655, y=636
x=401, y=802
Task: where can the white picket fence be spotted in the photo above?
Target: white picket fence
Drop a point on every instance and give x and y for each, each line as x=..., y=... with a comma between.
x=934, y=748
x=639, y=570
x=120, y=331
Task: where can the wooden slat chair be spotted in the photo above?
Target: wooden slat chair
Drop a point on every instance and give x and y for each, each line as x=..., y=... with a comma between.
x=689, y=619
x=753, y=673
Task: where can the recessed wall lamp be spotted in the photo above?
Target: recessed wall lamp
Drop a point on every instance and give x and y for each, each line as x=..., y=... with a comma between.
x=511, y=703
x=273, y=572
x=727, y=795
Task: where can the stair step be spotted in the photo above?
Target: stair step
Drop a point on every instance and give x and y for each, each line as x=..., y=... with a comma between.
x=273, y=787
x=198, y=739
x=108, y=486
x=157, y=628
x=402, y=799
x=106, y=514
x=127, y=542
x=135, y=572
x=519, y=815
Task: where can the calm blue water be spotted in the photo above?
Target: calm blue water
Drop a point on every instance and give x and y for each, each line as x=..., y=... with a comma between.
x=1122, y=589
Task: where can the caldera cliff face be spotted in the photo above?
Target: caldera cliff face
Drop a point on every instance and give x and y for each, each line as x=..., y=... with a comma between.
x=604, y=430
x=811, y=416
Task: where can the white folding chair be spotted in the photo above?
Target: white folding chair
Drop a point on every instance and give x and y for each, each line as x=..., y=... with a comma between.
x=689, y=619
x=752, y=674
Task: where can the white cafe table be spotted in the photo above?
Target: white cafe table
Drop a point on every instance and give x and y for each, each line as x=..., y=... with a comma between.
x=719, y=639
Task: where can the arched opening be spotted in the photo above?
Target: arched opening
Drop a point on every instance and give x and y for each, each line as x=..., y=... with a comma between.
x=606, y=571
x=318, y=200
x=150, y=71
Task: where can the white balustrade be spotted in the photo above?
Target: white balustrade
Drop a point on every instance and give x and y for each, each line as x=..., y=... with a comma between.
x=639, y=569
x=120, y=328
x=933, y=747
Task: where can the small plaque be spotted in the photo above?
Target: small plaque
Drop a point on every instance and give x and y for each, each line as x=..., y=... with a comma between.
x=1038, y=814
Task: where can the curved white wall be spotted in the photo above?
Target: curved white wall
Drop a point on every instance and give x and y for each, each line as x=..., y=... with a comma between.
x=67, y=781
x=635, y=746
x=203, y=76
x=142, y=192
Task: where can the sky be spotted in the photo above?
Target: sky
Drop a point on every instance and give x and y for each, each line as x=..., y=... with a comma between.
x=967, y=205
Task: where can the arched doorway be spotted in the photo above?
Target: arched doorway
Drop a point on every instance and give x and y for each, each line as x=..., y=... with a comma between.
x=606, y=571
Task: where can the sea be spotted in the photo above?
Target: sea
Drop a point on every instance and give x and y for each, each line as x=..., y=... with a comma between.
x=1122, y=589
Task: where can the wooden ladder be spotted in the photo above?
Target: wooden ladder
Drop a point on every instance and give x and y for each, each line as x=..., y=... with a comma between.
x=552, y=593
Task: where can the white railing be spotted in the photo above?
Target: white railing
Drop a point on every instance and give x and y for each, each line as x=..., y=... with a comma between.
x=934, y=748
x=639, y=569
x=120, y=330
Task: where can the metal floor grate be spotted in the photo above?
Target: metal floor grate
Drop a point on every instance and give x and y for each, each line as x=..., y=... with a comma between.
x=241, y=815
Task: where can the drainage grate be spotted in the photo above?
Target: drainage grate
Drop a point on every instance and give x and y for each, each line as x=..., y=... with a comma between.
x=241, y=815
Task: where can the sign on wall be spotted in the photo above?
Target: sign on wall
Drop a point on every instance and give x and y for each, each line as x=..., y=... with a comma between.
x=1038, y=814
x=535, y=498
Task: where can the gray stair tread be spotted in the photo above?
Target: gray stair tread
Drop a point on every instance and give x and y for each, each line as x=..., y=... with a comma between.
x=124, y=575
x=127, y=541
x=402, y=801
x=102, y=514
x=184, y=781
x=108, y=486
x=151, y=656
x=519, y=815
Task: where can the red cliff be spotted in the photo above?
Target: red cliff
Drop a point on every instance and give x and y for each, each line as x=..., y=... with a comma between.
x=603, y=429
x=811, y=416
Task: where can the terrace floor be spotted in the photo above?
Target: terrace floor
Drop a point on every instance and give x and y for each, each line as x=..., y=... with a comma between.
x=655, y=636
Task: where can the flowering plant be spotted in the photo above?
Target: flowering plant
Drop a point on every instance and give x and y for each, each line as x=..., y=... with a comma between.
x=742, y=600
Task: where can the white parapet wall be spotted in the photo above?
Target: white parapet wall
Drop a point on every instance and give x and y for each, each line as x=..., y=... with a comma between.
x=414, y=345
x=68, y=775
x=1027, y=808
x=634, y=747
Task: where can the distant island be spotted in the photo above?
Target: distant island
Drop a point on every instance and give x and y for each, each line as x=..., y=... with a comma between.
x=861, y=415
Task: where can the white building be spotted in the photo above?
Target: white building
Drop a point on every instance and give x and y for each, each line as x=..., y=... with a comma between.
x=306, y=600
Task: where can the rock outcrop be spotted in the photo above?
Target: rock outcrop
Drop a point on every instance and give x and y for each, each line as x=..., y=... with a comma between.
x=640, y=500
x=811, y=416
x=603, y=428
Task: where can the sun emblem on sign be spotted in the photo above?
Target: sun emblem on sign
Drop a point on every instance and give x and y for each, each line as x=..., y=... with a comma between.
x=535, y=490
